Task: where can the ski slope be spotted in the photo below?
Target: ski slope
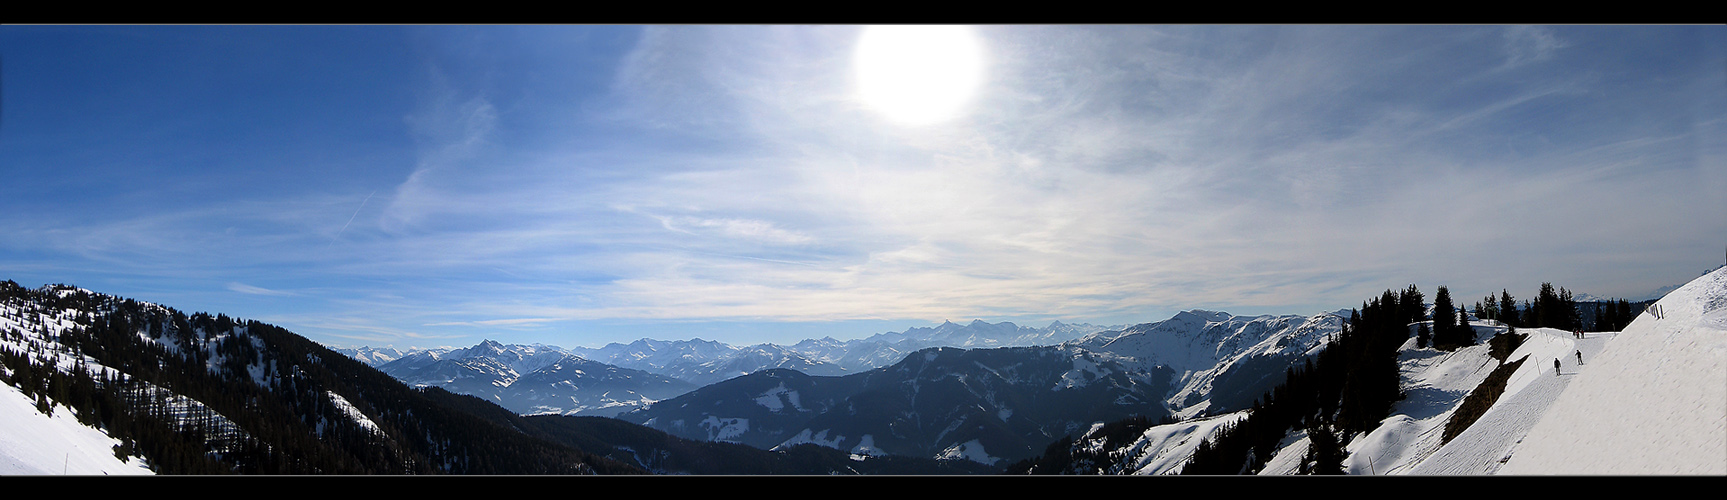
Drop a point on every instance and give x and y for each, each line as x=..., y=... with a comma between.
x=1651, y=399
x=1653, y=402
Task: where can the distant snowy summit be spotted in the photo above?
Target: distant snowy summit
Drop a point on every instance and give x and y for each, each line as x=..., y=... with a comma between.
x=622, y=377
x=1220, y=361
x=534, y=379
x=703, y=362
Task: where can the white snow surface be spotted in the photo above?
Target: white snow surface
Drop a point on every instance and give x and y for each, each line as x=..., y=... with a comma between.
x=1165, y=449
x=772, y=399
x=32, y=443
x=1651, y=399
x=348, y=409
x=818, y=438
x=725, y=429
x=1653, y=402
x=1200, y=345
x=969, y=450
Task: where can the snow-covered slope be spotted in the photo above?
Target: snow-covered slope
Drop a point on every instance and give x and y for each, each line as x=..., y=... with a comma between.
x=208, y=394
x=1651, y=399
x=1221, y=361
x=32, y=443
x=1653, y=402
x=1436, y=382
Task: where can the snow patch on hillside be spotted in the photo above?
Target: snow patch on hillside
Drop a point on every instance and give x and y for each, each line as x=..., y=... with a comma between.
x=725, y=429
x=818, y=438
x=772, y=399
x=1083, y=372
x=348, y=409
x=866, y=447
x=969, y=450
x=1164, y=449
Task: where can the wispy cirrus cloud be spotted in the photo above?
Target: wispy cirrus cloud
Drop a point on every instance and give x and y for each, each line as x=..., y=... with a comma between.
x=252, y=290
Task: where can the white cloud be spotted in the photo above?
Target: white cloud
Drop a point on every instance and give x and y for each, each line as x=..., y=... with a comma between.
x=253, y=290
x=1528, y=44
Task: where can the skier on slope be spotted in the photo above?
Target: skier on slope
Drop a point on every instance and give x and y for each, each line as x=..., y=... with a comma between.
x=1555, y=367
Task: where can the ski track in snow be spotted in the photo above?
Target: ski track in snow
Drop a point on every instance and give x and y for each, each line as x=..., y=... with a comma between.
x=1482, y=448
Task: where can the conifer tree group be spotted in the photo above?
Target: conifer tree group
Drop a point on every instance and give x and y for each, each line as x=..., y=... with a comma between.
x=1451, y=328
x=1345, y=391
x=1613, y=316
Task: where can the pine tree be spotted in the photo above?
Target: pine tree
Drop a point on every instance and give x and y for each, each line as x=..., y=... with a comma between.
x=1413, y=304
x=1324, y=452
x=1547, y=308
x=1508, y=309
x=1465, y=333
x=1444, y=321
x=1568, y=311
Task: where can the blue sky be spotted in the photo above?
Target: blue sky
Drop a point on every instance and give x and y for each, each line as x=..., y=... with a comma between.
x=577, y=185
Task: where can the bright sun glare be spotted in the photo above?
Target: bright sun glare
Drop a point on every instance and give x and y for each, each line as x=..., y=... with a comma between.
x=918, y=75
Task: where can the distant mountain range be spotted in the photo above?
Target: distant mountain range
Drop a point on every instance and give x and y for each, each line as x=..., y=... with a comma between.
x=1003, y=404
x=536, y=379
x=983, y=391
x=92, y=384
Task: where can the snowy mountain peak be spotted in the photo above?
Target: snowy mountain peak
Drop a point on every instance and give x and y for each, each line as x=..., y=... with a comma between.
x=1206, y=316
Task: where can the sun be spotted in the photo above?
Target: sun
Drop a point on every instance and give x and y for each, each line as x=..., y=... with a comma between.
x=918, y=75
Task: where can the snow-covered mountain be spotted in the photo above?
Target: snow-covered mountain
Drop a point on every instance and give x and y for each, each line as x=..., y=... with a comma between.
x=985, y=405
x=1002, y=407
x=1221, y=362
x=887, y=348
x=376, y=356
x=1647, y=400
x=492, y=371
x=702, y=362
x=97, y=384
x=534, y=379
